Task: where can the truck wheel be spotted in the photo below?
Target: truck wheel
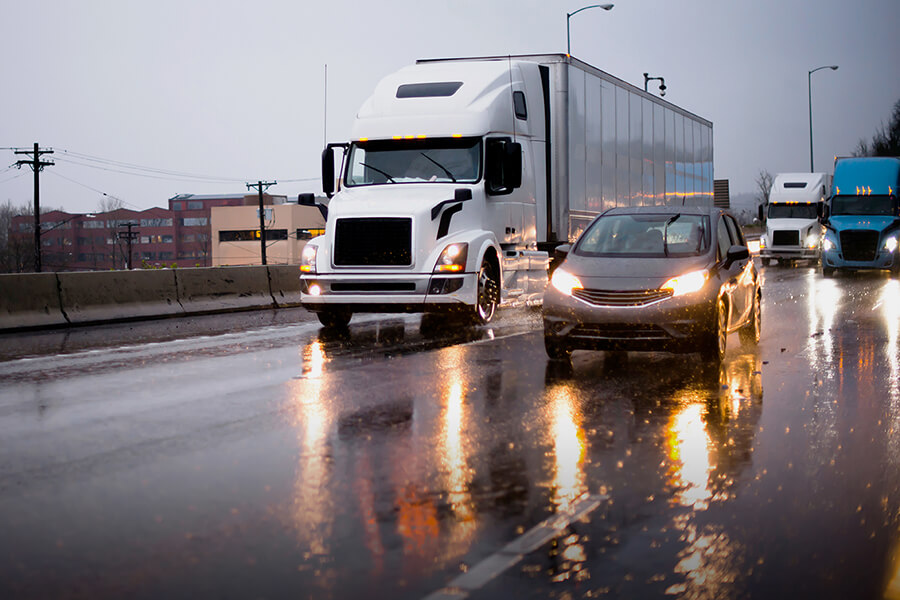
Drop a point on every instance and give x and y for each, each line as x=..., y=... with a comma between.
x=334, y=318
x=749, y=333
x=487, y=296
x=827, y=271
x=766, y=262
x=713, y=349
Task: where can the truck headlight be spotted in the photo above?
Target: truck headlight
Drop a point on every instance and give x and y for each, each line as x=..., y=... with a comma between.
x=827, y=244
x=452, y=259
x=890, y=243
x=565, y=282
x=687, y=283
x=812, y=240
x=762, y=242
x=308, y=258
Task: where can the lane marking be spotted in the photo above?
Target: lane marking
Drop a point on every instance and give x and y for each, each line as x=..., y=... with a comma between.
x=478, y=576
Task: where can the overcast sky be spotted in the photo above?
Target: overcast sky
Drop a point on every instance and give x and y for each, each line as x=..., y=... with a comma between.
x=235, y=91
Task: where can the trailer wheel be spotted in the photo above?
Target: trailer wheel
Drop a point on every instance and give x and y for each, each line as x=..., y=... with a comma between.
x=487, y=296
x=334, y=318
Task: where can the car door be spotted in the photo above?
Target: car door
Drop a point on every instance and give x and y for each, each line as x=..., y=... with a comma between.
x=745, y=284
x=729, y=273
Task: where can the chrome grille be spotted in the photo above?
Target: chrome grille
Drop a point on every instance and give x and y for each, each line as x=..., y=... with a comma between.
x=621, y=298
x=859, y=244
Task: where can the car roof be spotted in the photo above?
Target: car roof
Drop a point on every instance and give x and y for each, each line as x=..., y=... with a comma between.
x=665, y=210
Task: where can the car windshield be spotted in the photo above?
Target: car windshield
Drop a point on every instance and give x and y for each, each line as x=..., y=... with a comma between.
x=652, y=235
x=414, y=161
x=793, y=211
x=863, y=205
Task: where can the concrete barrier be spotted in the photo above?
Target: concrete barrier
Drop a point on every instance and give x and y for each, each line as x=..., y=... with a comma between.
x=284, y=281
x=223, y=288
x=118, y=295
x=30, y=300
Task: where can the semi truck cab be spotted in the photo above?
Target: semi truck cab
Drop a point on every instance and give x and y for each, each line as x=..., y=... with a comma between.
x=793, y=231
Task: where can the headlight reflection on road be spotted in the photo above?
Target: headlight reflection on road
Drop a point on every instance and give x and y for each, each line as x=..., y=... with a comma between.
x=890, y=309
x=823, y=298
x=688, y=444
x=312, y=507
x=568, y=447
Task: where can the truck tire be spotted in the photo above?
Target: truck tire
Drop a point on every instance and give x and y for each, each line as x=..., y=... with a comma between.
x=334, y=318
x=827, y=271
x=766, y=262
x=749, y=333
x=714, y=342
x=487, y=294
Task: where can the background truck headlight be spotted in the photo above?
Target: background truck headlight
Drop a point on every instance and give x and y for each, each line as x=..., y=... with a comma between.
x=812, y=240
x=890, y=244
x=828, y=244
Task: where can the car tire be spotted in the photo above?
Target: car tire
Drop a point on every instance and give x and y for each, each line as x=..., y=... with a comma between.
x=487, y=294
x=334, y=318
x=750, y=332
x=714, y=343
x=556, y=350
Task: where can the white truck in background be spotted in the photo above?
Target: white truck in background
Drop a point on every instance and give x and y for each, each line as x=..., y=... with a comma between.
x=793, y=231
x=462, y=175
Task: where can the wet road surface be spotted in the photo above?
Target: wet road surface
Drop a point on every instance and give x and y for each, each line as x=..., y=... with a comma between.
x=267, y=458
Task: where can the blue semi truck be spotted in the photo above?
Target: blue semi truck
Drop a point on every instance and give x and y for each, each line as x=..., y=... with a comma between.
x=862, y=216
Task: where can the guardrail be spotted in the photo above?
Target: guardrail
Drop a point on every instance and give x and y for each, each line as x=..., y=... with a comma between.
x=44, y=300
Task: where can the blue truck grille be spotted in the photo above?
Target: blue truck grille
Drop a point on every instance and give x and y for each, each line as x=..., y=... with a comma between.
x=373, y=242
x=859, y=244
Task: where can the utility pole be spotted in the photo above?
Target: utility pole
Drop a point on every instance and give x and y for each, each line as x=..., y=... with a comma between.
x=36, y=165
x=260, y=187
x=129, y=235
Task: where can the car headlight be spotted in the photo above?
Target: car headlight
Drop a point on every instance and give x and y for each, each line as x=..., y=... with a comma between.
x=565, y=282
x=828, y=244
x=890, y=243
x=812, y=240
x=687, y=283
x=308, y=258
x=452, y=259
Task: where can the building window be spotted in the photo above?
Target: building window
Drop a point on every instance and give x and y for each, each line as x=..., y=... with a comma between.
x=176, y=206
x=166, y=255
x=156, y=222
x=248, y=235
x=187, y=239
x=195, y=205
x=308, y=234
x=195, y=222
x=94, y=224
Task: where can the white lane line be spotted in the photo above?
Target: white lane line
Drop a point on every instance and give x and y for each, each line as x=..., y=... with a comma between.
x=478, y=576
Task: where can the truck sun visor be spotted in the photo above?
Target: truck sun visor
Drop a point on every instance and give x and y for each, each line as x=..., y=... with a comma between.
x=435, y=89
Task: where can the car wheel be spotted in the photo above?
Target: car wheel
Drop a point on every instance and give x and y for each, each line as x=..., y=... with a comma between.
x=556, y=349
x=717, y=337
x=749, y=333
x=487, y=296
x=334, y=318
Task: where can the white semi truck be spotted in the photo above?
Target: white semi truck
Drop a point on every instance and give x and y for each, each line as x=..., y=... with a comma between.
x=793, y=231
x=462, y=175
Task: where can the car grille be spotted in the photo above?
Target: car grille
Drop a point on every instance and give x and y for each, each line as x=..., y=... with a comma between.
x=859, y=244
x=619, y=298
x=786, y=238
x=373, y=242
x=619, y=331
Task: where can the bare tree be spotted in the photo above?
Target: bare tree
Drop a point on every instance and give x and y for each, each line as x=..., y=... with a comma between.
x=109, y=203
x=764, y=183
x=886, y=141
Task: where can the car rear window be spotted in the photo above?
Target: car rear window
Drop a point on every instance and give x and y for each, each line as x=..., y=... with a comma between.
x=652, y=235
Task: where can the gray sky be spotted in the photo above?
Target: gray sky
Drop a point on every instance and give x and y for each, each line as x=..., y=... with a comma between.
x=234, y=90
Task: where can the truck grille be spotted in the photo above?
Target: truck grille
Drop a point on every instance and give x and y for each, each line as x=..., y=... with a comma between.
x=786, y=238
x=616, y=298
x=859, y=244
x=373, y=242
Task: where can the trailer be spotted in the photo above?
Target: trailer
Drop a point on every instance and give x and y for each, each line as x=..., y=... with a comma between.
x=463, y=174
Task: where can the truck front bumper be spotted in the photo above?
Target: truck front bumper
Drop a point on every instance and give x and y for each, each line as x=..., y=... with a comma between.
x=389, y=292
x=883, y=260
x=790, y=252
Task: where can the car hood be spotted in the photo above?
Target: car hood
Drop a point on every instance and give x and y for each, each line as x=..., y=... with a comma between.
x=630, y=273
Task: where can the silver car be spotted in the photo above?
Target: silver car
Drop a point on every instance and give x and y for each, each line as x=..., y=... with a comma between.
x=676, y=279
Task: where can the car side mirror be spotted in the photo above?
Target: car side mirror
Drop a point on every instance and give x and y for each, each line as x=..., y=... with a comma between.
x=562, y=251
x=736, y=253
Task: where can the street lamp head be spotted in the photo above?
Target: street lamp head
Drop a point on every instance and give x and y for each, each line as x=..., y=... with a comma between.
x=607, y=6
x=833, y=67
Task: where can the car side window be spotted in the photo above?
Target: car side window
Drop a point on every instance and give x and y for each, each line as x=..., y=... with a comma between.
x=724, y=239
x=735, y=231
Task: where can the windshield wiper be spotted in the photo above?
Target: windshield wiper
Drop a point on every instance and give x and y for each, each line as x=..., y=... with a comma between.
x=440, y=166
x=666, y=233
x=377, y=170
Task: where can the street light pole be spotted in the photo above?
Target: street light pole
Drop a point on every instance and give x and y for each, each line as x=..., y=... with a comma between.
x=571, y=14
x=809, y=92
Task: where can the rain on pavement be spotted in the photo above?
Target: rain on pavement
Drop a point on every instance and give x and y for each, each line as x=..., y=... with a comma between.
x=263, y=457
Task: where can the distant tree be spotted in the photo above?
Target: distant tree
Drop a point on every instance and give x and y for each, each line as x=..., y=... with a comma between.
x=764, y=184
x=109, y=203
x=886, y=141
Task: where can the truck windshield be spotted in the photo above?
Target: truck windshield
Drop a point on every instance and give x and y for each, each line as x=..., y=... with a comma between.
x=863, y=205
x=793, y=211
x=414, y=161
x=645, y=235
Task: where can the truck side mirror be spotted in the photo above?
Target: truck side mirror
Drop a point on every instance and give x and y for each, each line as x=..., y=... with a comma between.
x=825, y=213
x=513, y=167
x=503, y=169
x=759, y=212
x=328, y=171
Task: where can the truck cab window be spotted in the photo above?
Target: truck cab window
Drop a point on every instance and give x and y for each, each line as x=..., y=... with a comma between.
x=519, y=104
x=414, y=161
